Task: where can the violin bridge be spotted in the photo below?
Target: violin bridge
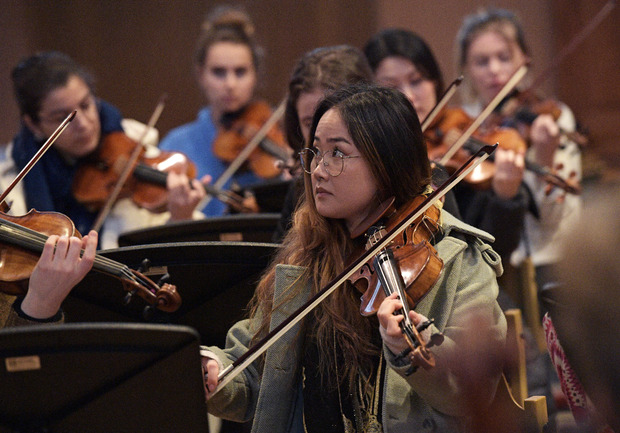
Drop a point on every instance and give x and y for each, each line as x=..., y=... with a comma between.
x=375, y=236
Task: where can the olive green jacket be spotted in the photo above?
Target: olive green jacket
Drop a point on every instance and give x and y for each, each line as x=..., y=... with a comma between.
x=428, y=400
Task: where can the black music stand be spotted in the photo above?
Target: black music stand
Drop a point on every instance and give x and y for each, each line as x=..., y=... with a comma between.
x=270, y=194
x=101, y=378
x=239, y=227
x=216, y=280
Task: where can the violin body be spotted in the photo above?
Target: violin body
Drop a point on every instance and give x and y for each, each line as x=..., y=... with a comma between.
x=97, y=176
x=409, y=266
x=448, y=127
x=236, y=132
x=16, y=264
x=22, y=239
x=420, y=267
x=417, y=259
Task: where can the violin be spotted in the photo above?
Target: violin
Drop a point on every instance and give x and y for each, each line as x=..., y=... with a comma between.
x=22, y=239
x=521, y=108
x=448, y=127
x=409, y=266
x=239, y=128
x=98, y=174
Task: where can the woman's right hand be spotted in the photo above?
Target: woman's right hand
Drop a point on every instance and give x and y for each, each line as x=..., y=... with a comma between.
x=509, y=167
x=211, y=369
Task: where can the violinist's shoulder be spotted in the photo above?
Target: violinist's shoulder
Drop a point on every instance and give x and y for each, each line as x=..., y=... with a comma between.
x=184, y=137
x=5, y=153
x=461, y=236
x=8, y=170
x=454, y=227
x=135, y=130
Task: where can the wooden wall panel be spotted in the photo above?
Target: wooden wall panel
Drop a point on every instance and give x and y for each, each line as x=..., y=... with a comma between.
x=589, y=79
x=142, y=48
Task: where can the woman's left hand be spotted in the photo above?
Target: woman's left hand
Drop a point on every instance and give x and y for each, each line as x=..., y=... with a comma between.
x=58, y=270
x=544, y=135
x=389, y=326
x=183, y=195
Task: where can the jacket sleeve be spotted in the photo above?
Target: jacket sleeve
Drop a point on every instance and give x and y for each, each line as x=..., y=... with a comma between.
x=237, y=400
x=463, y=304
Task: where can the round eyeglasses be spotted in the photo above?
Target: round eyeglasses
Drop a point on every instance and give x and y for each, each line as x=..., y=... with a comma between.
x=333, y=163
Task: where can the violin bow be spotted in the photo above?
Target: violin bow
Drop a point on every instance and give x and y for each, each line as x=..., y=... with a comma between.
x=442, y=103
x=241, y=363
x=510, y=84
x=247, y=150
x=48, y=143
x=105, y=210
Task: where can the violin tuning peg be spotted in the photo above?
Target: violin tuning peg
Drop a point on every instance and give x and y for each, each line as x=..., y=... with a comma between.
x=163, y=279
x=152, y=315
x=128, y=297
x=144, y=266
x=403, y=354
x=412, y=369
x=548, y=189
x=422, y=326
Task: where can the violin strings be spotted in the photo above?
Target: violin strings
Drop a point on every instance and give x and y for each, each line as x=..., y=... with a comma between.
x=150, y=174
x=473, y=144
x=35, y=241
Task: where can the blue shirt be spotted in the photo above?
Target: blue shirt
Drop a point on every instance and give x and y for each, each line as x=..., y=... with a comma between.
x=196, y=140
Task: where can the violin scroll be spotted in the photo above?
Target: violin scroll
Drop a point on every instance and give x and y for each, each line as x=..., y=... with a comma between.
x=164, y=298
x=417, y=353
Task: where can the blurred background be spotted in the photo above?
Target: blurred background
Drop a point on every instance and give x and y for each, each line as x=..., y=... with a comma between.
x=140, y=49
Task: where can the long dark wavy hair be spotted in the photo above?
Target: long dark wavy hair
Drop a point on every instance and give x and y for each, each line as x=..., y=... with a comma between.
x=386, y=131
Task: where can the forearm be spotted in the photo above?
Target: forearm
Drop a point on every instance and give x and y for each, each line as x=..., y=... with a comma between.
x=15, y=316
x=468, y=361
x=237, y=400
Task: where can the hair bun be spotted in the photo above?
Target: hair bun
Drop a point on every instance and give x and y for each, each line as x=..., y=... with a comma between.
x=231, y=17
